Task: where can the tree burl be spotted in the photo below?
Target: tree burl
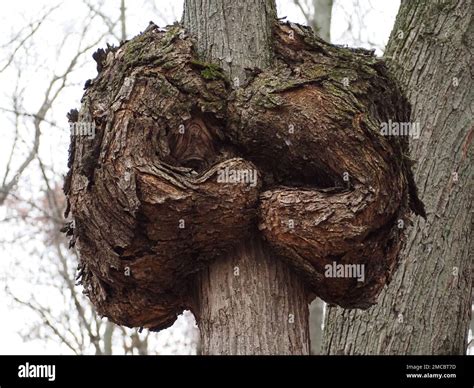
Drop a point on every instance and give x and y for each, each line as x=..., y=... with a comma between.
x=148, y=202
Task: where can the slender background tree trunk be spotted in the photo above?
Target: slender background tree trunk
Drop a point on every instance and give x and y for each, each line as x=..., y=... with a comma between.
x=316, y=316
x=251, y=302
x=426, y=309
x=322, y=18
x=318, y=14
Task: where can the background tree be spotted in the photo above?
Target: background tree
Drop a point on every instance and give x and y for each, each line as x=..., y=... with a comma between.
x=318, y=15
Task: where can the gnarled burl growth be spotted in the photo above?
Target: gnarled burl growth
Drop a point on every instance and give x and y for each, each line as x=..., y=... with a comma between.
x=341, y=189
x=149, y=208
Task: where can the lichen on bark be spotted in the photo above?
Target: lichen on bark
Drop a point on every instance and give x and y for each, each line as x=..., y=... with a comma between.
x=149, y=211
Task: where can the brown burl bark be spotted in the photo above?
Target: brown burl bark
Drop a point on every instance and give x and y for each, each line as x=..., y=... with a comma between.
x=149, y=211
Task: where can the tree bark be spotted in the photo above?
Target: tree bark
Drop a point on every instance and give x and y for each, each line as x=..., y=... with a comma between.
x=426, y=309
x=250, y=302
x=316, y=317
x=318, y=15
x=322, y=18
x=319, y=18
x=123, y=24
x=235, y=35
x=320, y=21
x=108, y=336
x=322, y=184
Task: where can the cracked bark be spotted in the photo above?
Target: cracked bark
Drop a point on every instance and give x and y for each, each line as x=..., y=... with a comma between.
x=426, y=309
x=250, y=302
x=158, y=232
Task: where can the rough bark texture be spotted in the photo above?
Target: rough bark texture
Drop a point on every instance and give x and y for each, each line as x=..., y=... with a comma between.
x=426, y=309
x=144, y=218
x=233, y=34
x=320, y=20
x=150, y=211
x=250, y=302
x=306, y=130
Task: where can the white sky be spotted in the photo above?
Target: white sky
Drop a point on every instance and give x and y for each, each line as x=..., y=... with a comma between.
x=42, y=59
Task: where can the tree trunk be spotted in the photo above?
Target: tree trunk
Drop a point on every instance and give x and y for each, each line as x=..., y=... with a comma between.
x=152, y=204
x=322, y=15
x=316, y=317
x=426, y=309
x=320, y=21
x=251, y=302
x=108, y=336
x=318, y=15
x=235, y=35
x=123, y=23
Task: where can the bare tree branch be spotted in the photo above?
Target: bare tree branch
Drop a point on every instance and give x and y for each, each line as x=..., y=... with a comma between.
x=42, y=312
x=38, y=117
x=34, y=28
